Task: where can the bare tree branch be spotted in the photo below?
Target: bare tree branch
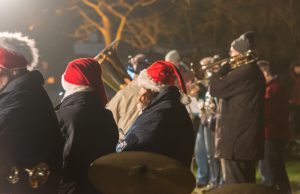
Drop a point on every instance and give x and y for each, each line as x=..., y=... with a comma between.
x=119, y=9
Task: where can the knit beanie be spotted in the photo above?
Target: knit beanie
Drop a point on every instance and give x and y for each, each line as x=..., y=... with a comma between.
x=244, y=43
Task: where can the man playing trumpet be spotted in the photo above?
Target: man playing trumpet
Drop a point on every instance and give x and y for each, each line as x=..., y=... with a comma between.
x=239, y=135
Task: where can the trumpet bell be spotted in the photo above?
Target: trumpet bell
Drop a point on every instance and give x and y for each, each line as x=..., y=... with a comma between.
x=244, y=58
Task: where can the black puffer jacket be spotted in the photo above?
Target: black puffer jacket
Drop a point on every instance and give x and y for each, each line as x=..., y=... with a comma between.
x=164, y=127
x=90, y=132
x=29, y=134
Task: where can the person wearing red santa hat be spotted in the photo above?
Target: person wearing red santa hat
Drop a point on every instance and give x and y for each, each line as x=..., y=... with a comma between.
x=29, y=130
x=164, y=126
x=88, y=127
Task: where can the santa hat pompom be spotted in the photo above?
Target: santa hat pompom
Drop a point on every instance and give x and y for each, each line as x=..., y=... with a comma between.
x=16, y=46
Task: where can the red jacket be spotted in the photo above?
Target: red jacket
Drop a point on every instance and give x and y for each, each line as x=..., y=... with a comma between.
x=276, y=111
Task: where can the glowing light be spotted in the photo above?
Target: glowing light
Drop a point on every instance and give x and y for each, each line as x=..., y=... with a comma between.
x=51, y=80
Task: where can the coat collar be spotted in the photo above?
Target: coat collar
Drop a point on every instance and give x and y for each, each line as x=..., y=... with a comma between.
x=168, y=94
x=79, y=98
x=27, y=80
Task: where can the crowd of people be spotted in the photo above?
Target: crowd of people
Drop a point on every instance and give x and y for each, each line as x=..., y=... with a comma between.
x=234, y=117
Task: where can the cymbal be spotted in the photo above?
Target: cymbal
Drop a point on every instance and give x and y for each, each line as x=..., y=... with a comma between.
x=134, y=172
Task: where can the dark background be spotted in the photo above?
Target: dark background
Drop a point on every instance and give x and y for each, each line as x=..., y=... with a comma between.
x=205, y=28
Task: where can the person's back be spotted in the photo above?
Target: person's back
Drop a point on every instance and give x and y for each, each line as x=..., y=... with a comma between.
x=124, y=107
x=90, y=132
x=88, y=128
x=164, y=126
x=29, y=131
x=242, y=114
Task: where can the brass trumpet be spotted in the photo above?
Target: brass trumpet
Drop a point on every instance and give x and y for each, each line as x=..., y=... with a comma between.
x=114, y=75
x=37, y=176
x=235, y=61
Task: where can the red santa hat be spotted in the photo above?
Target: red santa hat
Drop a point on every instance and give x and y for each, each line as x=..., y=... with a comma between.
x=17, y=51
x=160, y=75
x=86, y=72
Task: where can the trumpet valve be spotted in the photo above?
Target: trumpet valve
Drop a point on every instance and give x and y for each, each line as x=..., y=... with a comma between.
x=38, y=175
x=13, y=176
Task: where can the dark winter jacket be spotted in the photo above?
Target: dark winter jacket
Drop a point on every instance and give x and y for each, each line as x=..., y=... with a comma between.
x=29, y=134
x=164, y=127
x=240, y=132
x=90, y=132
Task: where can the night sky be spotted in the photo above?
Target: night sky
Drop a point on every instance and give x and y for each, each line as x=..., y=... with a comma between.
x=50, y=24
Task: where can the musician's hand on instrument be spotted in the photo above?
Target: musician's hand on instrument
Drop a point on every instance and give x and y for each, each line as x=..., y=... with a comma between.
x=226, y=68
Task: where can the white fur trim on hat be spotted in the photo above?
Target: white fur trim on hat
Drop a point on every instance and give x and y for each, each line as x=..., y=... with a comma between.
x=21, y=45
x=72, y=88
x=145, y=81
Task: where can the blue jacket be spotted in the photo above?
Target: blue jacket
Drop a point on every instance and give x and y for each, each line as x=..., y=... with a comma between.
x=164, y=127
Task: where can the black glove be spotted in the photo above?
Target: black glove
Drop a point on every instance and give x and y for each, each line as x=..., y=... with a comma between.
x=226, y=68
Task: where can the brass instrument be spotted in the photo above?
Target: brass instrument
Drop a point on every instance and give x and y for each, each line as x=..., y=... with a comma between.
x=37, y=175
x=194, y=89
x=235, y=61
x=114, y=75
x=209, y=106
x=197, y=72
x=13, y=175
x=197, y=87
